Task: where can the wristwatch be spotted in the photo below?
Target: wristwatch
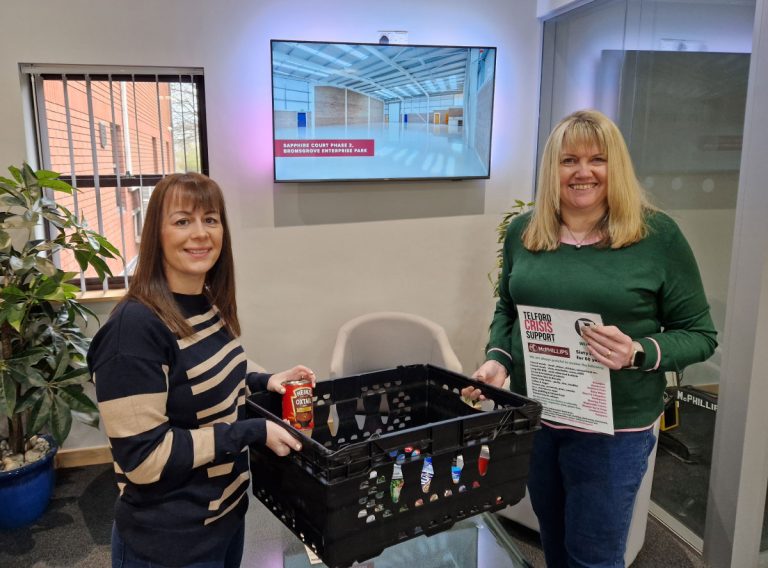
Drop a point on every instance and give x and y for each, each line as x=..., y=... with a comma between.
x=638, y=356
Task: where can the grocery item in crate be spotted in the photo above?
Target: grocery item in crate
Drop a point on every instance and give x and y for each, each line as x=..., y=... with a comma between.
x=297, y=404
x=456, y=467
x=396, y=485
x=356, y=488
x=485, y=457
x=427, y=473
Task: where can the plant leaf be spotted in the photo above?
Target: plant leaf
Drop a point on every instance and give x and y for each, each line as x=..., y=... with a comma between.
x=82, y=259
x=5, y=181
x=16, y=173
x=84, y=311
x=62, y=293
x=29, y=177
x=29, y=399
x=62, y=364
x=11, y=293
x=56, y=185
x=45, y=266
x=105, y=244
x=21, y=263
x=70, y=289
x=55, y=219
x=46, y=174
x=74, y=377
x=87, y=418
x=40, y=413
x=7, y=394
x=47, y=286
x=36, y=379
x=14, y=316
x=78, y=400
x=101, y=267
x=12, y=198
x=61, y=419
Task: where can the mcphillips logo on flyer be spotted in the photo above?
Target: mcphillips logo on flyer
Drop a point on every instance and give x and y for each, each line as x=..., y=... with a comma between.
x=549, y=350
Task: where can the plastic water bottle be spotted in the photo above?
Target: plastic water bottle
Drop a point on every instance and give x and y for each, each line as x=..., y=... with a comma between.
x=396, y=485
x=456, y=467
x=427, y=473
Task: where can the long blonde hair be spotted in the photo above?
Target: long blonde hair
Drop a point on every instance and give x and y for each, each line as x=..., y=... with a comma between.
x=628, y=205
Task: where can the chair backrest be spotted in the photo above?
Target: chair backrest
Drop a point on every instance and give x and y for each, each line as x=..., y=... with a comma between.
x=383, y=340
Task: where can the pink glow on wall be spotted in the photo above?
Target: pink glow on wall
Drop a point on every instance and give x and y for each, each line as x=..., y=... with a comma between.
x=250, y=104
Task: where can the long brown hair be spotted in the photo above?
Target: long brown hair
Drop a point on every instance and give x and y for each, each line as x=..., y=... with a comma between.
x=149, y=285
x=628, y=204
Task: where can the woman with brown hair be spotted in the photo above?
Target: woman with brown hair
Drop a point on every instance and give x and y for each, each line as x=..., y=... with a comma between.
x=171, y=379
x=594, y=244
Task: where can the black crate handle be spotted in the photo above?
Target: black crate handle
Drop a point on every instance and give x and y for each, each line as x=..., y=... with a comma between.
x=506, y=419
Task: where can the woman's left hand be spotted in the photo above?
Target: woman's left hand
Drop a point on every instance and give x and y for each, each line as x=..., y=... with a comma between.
x=609, y=345
x=276, y=381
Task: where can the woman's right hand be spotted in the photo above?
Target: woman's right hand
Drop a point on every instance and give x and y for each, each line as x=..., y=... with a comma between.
x=491, y=373
x=276, y=381
x=280, y=441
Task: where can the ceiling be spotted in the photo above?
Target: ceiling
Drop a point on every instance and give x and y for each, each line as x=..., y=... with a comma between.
x=385, y=72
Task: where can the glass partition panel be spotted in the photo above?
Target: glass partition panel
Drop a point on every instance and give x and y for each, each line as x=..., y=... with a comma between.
x=673, y=75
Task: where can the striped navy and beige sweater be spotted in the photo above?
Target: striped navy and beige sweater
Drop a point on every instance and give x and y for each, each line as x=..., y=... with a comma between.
x=173, y=410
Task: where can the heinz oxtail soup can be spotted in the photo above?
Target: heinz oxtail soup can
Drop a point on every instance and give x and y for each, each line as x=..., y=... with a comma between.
x=297, y=404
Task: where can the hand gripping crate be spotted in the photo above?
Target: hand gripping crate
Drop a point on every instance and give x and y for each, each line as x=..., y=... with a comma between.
x=336, y=493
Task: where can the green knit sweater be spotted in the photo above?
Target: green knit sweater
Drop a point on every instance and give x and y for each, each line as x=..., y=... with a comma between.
x=650, y=290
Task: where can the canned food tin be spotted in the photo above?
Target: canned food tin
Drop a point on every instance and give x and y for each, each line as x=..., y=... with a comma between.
x=297, y=404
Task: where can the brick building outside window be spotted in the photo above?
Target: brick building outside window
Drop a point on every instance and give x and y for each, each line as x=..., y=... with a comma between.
x=114, y=136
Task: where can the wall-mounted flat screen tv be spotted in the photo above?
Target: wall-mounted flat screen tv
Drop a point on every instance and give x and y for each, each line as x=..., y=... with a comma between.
x=358, y=111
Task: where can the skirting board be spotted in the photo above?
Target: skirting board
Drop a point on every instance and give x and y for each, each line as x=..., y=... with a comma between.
x=78, y=457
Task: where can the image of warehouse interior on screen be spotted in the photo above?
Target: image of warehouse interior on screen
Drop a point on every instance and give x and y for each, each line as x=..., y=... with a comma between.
x=352, y=111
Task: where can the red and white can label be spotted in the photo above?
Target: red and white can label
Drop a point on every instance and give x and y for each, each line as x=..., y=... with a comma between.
x=297, y=404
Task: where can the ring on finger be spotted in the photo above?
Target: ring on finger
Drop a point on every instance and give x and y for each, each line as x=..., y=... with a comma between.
x=610, y=352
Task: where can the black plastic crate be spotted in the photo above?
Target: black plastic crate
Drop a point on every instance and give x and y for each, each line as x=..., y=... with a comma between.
x=335, y=494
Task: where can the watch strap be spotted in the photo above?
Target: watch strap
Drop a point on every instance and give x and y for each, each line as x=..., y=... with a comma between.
x=638, y=356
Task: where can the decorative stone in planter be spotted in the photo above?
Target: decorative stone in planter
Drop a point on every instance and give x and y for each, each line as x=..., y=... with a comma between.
x=26, y=490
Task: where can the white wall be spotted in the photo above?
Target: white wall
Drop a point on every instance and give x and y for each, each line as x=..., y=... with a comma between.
x=312, y=256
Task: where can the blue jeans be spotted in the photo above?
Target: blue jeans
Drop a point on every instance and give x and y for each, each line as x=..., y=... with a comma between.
x=582, y=488
x=123, y=556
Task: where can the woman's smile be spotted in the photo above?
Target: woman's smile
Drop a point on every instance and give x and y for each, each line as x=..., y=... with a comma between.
x=198, y=252
x=580, y=186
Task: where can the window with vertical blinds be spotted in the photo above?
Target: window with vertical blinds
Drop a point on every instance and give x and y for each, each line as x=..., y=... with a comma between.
x=113, y=133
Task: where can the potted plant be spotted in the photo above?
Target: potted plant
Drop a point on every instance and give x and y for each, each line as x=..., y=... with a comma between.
x=501, y=232
x=42, y=369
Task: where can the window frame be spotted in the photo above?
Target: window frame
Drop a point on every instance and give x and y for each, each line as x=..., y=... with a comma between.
x=36, y=74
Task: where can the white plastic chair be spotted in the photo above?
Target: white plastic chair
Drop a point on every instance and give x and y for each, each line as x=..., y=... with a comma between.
x=522, y=513
x=383, y=340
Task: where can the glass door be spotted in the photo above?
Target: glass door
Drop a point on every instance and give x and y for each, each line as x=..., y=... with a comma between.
x=673, y=75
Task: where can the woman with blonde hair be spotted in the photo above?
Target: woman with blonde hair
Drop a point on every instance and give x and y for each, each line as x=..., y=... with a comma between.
x=171, y=380
x=594, y=243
